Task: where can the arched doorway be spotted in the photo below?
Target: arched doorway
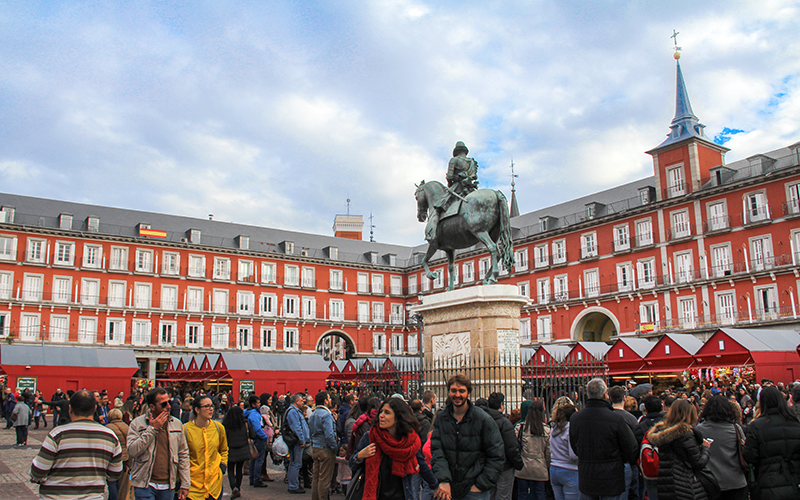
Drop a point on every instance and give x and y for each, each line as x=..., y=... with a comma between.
x=595, y=324
x=336, y=344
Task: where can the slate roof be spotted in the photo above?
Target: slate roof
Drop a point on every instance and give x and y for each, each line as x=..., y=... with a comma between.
x=38, y=355
x=276, y=362
x=596, y=349
x=557, y=351
x=640, y=346
x=764, y=340
x=686, y=341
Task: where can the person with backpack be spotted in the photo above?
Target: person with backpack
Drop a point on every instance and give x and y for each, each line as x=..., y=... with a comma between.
x=208, y=452
x=682, y=453
x=253, y=416
x=653, y=407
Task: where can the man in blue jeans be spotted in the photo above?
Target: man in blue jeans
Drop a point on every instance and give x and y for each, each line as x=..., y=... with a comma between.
x=297, y=423
x=253, y=416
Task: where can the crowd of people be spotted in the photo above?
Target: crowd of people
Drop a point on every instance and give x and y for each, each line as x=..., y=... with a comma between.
x=166, y=444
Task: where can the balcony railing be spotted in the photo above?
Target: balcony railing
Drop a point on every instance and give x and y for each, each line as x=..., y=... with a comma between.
x=791, y=207
x=738, y=317
x=683, y=230
x=717, y=224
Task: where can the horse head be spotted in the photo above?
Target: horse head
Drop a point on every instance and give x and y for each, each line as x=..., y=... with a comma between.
x=422, y=202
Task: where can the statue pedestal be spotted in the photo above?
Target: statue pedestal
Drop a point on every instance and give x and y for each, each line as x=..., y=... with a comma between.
x=474, y=331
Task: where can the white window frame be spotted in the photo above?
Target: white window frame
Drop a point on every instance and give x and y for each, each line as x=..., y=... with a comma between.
x=377, y=284
x=681, y=225
x=291, y=339
x=684, y=266
x=624, y=277
x=484, y=266
x=308, y=277
x=36, y=252
x=644, y=232
x=521, y=259
x=309, y=307
x=622, y=237
x=140, y=299
x=756, y=207
x=92, y=256
x=717, y=215
x=378, y=311
x=467, y=272
x=195, y=299
x=541, y=257
x=544, y=328
x=648, y=313
x=141, y=333
x=291, y=306
x=221, y=301
x=722, y=258
x=336, y=309
x=524, y=288
x=222, y=268
x=561, y=288
x=767, y=302
x=6, y=285
x=591, y=282
x=30, y=327
x=761, y=255
x=363, y=311
x=246, y=270
x=793, y=198
x=336, y=277
x=167, y=333
x=397, y=343
x=726, y=307
x=220, y=336
x=144, y=260
x=119, y=259
x=32, y=287
x=58, y=331
x=268, y=305
x=559, y=251
x=87, y=330
x=396, y=285
x=589, y=245
x=244, y=337
x=396, y=314
x=379, y=343
x=291, y=275
x=412, y=284
x=245, y=303
x=646, y=272
x=687, y=312
x=90, y=292
x=8, y=247
x=676, y=181
x=362, y=283
x=64, y=253
x=269, y=338
x=62, y=289
x=543, y=290
x=525, y=331
x=194, y=334
x=269, y=273
x=169, y=297
x=115, y=331
x=170, y=263
x=197, y=266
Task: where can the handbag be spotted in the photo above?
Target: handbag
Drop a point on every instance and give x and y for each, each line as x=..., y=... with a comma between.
x=709, y=483
x=251, y=444
x=355, y=488
x=740, y=448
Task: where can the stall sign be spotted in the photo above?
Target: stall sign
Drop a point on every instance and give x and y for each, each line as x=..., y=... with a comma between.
x=247, y=386
x=26, y=383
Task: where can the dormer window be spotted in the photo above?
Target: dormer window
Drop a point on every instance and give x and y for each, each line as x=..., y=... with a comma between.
x=7, y=214
x=333, y=253
x=93, y=224
x=288, y=247
x=65, y=221
x=243, y=242
x=194, y=236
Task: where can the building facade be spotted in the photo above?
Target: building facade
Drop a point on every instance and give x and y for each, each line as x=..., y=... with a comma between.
x=698, y=245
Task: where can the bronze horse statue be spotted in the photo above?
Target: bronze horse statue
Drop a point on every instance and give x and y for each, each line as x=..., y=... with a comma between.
x=483, y=217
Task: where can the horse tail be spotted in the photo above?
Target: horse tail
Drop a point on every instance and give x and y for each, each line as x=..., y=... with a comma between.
x=504, y=242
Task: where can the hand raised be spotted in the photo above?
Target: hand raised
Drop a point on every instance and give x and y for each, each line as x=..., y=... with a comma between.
x=160, y=420
x=367, y=452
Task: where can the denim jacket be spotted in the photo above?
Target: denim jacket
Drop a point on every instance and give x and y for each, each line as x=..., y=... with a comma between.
x=410, y=492
x=322, y=428
x=297, y=422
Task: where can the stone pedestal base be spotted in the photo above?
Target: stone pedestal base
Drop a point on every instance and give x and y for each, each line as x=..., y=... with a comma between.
x=474, y=331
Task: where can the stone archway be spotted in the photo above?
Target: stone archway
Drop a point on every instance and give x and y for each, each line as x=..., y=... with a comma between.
x=595, y=324
x=336, y=344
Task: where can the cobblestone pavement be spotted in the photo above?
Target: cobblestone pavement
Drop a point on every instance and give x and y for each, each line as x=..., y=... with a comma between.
x=15, y=465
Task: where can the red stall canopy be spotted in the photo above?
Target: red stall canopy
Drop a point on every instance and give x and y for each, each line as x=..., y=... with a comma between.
x=69, y=368
x=772, y=353
x=673, y=353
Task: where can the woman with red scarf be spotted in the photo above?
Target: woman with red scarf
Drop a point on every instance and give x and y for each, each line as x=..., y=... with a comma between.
x=391, y=454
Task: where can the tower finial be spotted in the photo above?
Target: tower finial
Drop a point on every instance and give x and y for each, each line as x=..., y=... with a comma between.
x=348, y=205
x=514, y=206
x=675, y=44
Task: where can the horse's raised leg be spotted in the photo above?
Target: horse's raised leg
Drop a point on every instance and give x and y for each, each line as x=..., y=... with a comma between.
x=432, y=247
x=491, y=276
x=451, y=268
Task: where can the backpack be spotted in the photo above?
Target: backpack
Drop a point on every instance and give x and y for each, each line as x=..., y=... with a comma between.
x=648, y=460
x=289, y=436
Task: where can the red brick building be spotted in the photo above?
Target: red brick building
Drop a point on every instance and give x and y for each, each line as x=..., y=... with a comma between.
x=698, y=245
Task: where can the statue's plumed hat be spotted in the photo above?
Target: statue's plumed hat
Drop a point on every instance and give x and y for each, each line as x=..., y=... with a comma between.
x=460, y=146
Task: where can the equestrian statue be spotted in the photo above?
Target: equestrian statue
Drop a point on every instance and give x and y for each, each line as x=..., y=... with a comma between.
x=461, y=215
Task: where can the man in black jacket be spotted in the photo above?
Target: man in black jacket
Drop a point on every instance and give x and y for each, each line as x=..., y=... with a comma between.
x=654, y=414
x=466, y=447
x=505, y=484
x=604, y=444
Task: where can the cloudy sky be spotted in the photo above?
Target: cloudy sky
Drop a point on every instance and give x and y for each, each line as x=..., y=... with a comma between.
x=274, y=113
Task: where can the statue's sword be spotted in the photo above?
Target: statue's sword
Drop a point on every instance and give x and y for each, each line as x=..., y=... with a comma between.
x=456, y=194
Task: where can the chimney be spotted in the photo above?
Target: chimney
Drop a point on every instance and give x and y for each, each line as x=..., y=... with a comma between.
x=348, y=226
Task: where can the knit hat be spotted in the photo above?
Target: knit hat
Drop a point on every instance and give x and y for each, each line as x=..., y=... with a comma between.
x=523, y=410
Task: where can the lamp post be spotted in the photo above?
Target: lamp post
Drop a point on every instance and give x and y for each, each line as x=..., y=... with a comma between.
x=417, y=317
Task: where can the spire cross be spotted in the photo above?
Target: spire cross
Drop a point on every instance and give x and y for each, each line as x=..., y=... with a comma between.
x=371, y=227
x=348, y=205
x=513, y=175
x=675, y=39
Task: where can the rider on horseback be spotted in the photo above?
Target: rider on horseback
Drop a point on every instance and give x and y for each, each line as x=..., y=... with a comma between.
x=462, y=179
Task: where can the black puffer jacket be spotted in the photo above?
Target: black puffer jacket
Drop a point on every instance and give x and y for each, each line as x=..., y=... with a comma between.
x=466, y=454
x=513, y=457
x=680, y=454
x=604, y=443
x=238, y=446
x=773, y=448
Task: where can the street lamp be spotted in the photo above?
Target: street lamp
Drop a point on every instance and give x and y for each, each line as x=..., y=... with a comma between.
x=417, y=317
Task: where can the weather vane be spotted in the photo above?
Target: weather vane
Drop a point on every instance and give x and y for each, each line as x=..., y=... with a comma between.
x=675, y=43
x=513, y=175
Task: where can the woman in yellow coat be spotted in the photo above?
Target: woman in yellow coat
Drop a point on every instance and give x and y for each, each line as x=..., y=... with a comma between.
x=208, y=451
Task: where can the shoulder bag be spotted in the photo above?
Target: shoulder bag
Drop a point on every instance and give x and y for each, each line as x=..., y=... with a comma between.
x=250, y=443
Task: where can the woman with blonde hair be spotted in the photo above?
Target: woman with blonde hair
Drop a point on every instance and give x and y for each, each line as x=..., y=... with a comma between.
x=682, y=453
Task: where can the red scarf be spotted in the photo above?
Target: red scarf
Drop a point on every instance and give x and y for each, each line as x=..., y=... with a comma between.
x=403, y=453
